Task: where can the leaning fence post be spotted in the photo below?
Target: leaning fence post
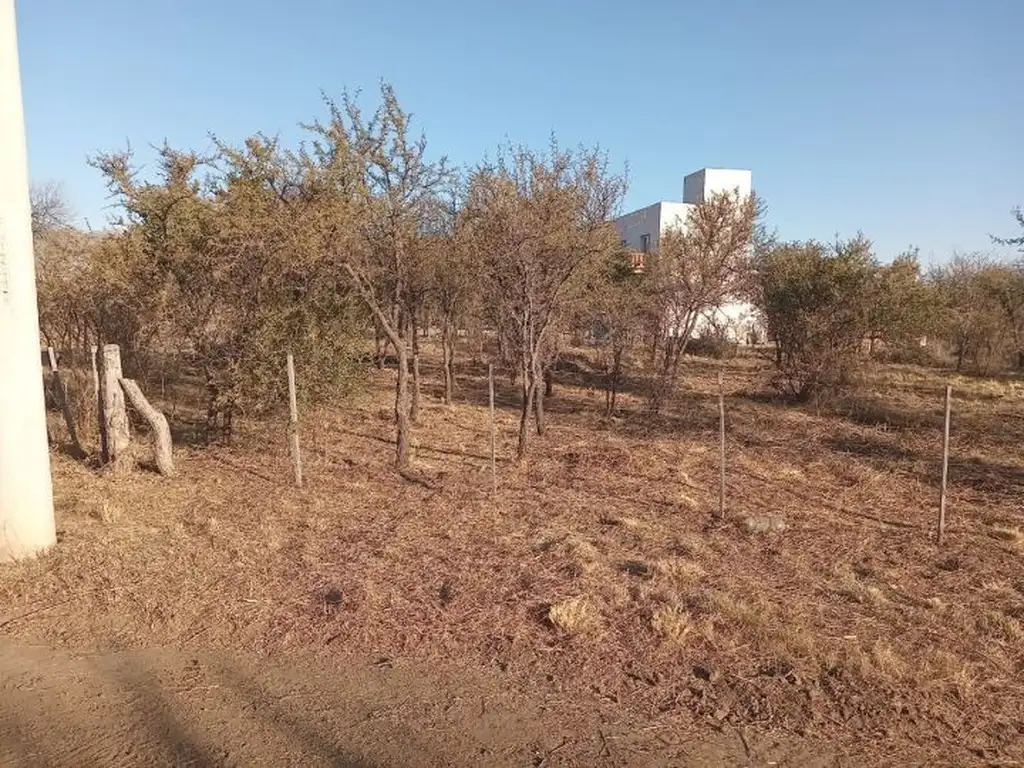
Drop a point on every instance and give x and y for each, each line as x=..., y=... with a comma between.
x=293, y=425
x=115, y=434
x=60, y=394
x=721, y=445
x=162, y=451
x=945, y=465
x=490, y=392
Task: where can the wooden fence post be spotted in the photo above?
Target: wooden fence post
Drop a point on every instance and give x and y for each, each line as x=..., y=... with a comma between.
x=293, y=425
x=490, y=390
x=162, y=455
x=945, y=465
x=95, y=375
x=721, y=442
x=115, y=434
x=60, y=394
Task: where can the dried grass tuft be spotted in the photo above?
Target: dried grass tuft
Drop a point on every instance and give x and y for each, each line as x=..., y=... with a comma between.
x=573, y=616
x=672, y=622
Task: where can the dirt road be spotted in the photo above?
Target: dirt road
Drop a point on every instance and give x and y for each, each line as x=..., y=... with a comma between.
x=164, y=707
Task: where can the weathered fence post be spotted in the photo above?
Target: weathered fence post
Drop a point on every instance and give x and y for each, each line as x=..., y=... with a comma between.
x=293, y=425
x=60, y=394
x=115, y=434
x=490, y=390
x=95, y=376
x=721, y=442
x=945, y=465
x=162, y=454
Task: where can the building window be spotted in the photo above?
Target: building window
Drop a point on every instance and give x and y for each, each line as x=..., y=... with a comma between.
x=645, y=243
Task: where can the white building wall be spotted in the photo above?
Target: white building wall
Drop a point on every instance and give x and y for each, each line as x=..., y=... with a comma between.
x=699, y=186
x=675, y=215
x=633, y=226
x=738, y=318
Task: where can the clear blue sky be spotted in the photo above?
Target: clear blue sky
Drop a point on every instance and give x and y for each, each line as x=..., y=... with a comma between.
x=903, y=118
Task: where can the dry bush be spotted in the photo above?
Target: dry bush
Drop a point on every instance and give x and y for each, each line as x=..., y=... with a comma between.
x=680, y=569
x=573, y=616
x=672, y=622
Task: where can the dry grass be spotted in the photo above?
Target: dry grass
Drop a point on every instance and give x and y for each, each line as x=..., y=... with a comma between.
x=671, y=622
x=598, y=562
x=572, y=616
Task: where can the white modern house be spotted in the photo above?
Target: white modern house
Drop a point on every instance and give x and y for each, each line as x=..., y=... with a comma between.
x=641, y=231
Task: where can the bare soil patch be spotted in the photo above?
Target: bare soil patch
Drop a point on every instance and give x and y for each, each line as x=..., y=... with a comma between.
x=595, y=588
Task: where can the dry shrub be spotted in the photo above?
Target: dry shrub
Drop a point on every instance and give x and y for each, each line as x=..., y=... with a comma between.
x=692, y=546
x=671, y=622
x=108, y=513
x=846, y=584
x=887, y=661
x=573, y=616
x=1009, y=534
x=745, y=616
x=1000, y=627
x=631, y=523
x=680, y=569
x=581, y=556
x=82, y=398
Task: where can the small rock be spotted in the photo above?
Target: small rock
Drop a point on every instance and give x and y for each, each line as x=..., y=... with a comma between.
x=764, y=524
x=638, y=569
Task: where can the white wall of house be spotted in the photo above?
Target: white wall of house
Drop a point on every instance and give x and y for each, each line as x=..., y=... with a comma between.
x=674, y=215
x=641, y=230
x=700, y=185
x=633, y=227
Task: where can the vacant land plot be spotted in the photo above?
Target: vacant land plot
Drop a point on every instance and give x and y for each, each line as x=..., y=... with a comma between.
x=594, y=597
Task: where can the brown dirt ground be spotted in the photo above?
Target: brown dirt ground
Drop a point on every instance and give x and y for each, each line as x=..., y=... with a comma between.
x=592, y=612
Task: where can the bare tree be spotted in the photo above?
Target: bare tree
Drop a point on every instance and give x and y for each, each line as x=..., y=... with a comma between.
x=696, y=269
x=454, y=276
x=397, y=189
x=536, y=220
x=50, y=209
x=614, y=307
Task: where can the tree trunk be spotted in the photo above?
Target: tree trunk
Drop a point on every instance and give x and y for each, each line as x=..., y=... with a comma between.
x=379, y=345
x=447, y=354
x=414, y=408
x=402, y=410
x=60, y=395
x=157, y=422
x=529, y=387
x=212, y=394
x=538, y=376
x=612, y=383
x=115, y=434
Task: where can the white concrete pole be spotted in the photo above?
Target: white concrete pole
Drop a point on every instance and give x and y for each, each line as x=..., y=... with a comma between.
x=26, y=496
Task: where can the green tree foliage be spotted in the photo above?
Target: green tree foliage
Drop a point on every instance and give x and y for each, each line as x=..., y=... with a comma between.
x=981, y=311
x=232, y=278
x=905, y=306
x=378, y=229
x=817, y=302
